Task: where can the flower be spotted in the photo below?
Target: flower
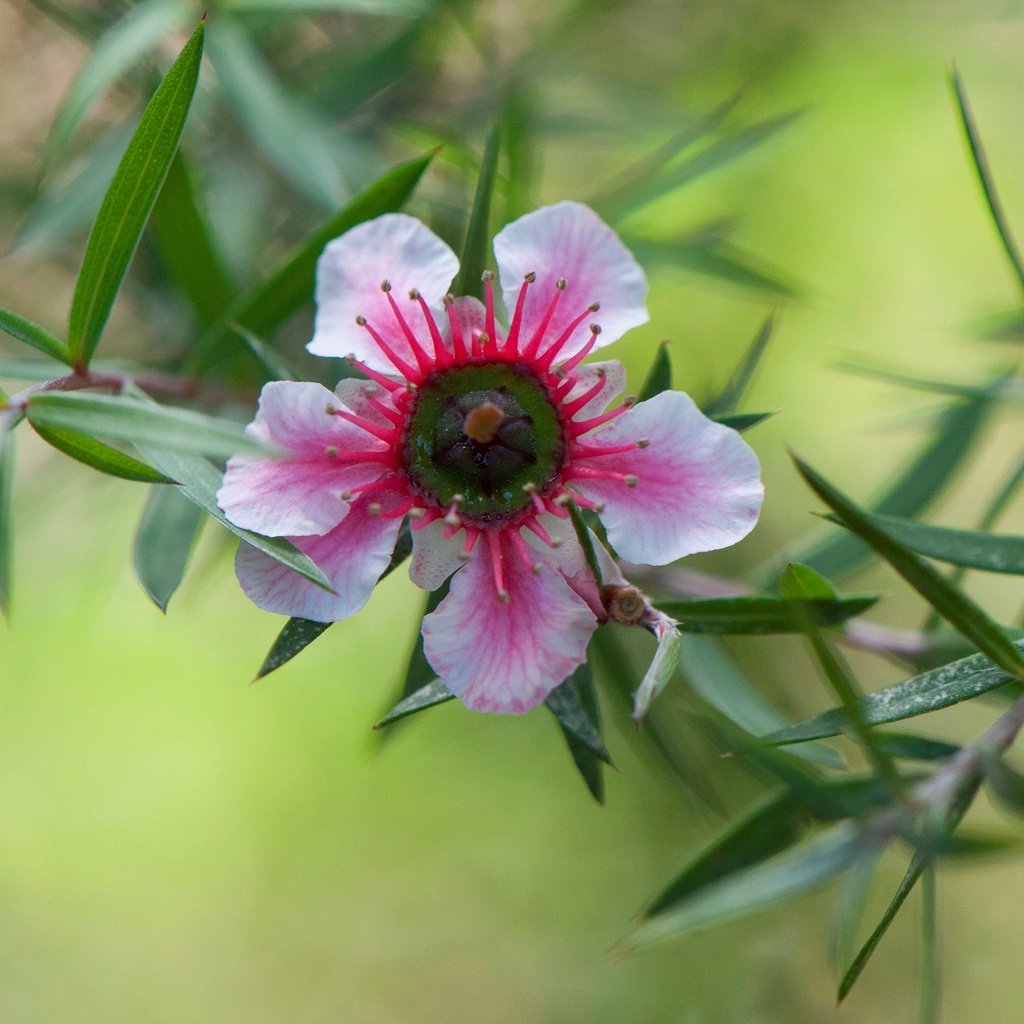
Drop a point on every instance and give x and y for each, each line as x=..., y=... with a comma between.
x=481, y=435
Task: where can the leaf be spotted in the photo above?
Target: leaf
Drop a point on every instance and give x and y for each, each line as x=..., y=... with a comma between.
x=115, y=53
x=128, y=201
x=659, y=376
x=985, y=179
x=916, y=487
x=401, y=7
x=661, y=669
x=474, y=251
x=741, y=421
x=6, y=499
x=429, y=696
x=290, y=134
x=796, y=870
x=732, y=394
x=163, y=543
x=940, y=688
x=929, y=951
x=771, y=827
x=199, y=481
x=974, y=549
x=272, y=302
x=271, y=363
x=100, y=456
x=140, y=423
x=917, y=748
x=959, y=610
x=757, y=614
x=186, y=245
x=1006, y=784
x=576, y=708
x=32, y=334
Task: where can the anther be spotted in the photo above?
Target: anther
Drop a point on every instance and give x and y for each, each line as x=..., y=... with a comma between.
x=331, y=451
x=361, y=320
x=385, y=286
x=631, y=480
x=417, y=512
x=414, y=294
x=561, y=284
x=345, y=495
x=594, y=307
x=449, y=299
x=487, y=275
x=530, y=277
x=374, y=508
x=643, y=442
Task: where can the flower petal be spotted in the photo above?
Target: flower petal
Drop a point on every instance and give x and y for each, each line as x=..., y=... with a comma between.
x=434, y=556
x=396, y=248
x=506, y=658
x=298, y=492
x=353, y=556
x=569, y=240
x=698, y=483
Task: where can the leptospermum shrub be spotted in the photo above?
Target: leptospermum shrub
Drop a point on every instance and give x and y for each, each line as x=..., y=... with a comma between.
x=475, y=438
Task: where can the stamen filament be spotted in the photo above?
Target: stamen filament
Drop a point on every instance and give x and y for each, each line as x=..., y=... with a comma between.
x=583, y=451
x=458, y=341
x=585, y=426
x=573, y=407
x=441, y=354
x=429, y=516
x=588, y=473
x=422, y=358
x=531, y=349
x=491, y=345
x=405, y=369
x=524, y=552
x=534, y=527
x=497, y=567
x=375, y=376
x=471, y=537
x=386, y=410
x=512, y=340
x=550, y=353
x=386, y=434
x=570, y=364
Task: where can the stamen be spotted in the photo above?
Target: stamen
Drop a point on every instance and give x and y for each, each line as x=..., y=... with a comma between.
x=417, y=512
x=585, y=426
x=429, y=516
x=497, y=568
x=441, y=354
x=374, y=375
x=538, y=503
x=531, y=349
x=571, y=408
x=550, y=354
x=556, y=506
x=458, y=342
x=512, y=341
x=570, y=364
x=595, y=506
x=452, y=518
x=421, y=354
x=386, y=434
x=524, y=553
x=584, y=451
x=398, y=511
x=587, y=473
x=467, y=552
x=535, y=527
x=404, y=368
x=385, y=410
x=331, y=451
x=491, y=348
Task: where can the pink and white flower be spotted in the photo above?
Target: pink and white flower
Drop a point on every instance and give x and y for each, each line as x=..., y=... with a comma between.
x=481, y=435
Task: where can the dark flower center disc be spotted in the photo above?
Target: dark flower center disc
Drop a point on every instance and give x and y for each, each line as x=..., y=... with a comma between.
x=485, y=432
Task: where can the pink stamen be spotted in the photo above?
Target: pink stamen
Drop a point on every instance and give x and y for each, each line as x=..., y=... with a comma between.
x=596, y=506
x=388, y=457
x=386, y=410
x=534, y=527
x=386, y=434
x=565, y=386
x=441, y=354
x=552, y=506
x=584, y=451
x=571, y=408
x=375, y=485
x=512, y=341
x=458, y=341
x=523, y=551
x=570, y=364
x=588, y=473
x=538, y=503
x=531, y=349
x=471, y=537
x=497, y=567
x=429, y=516
x=422, y=357
x=490, y=326
x=585, y=426
x=550, y=353
x=405, y=369
x=398, y=512
x=375, y=376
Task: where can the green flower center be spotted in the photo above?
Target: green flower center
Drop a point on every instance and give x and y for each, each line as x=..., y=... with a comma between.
x=479, y=436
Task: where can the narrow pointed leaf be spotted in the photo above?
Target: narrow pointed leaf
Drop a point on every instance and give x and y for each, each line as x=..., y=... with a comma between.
x=741, y=421
x=752, y=614
x=732, y=394
x=575, y=706
x=271, y=363
x=163, y=543
x=959, y=610
x=659, y=376
x=100, y=456
x=1006, y=784
x=129, y=200
x=429, y=696
x=915, y=748
x=124, y=419
x=32, y=334
x=474, y=251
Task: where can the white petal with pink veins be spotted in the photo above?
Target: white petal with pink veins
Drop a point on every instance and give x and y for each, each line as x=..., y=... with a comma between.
x=395, y=248
x=352, y=556
x=506, y=658
x=570, y=241
x=434, y=556
x=298, y=492
x=698, y=483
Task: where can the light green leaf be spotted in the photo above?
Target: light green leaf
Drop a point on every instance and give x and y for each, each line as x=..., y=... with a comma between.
x=117, y=51
x=31, y=369
x=1006, y=784
x=913, y=747
x=141, y=423
x=727, y=400
x=753, y=614
x=32, y=334
x=100, y=456
x=959, y=610
x=400, y=7
x=271, y=363
x=129, y=199
x=164, y=541
x=478, y=237
x=742, y=421
x=659, y=376
x=661, y=669
x=429, y=696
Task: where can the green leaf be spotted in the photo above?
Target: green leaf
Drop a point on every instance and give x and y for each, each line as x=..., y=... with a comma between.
x=974, y=549
x=272, y=302
x=31, y=369
x=586, y=541
x=661, y=669
x=934, y=467
x=117, y=52
x=6, y=498
x=985, y=179
x=931, y=691
x=576, y=707
x=732, y=394
x=401, y=7
x=916, y=748
x=429, y=696
x=474, y=251
x=1006, y=784
x=271, y=363
x=34, y=335
x=958, y=609
x=659, y=376
x=741, y=421
x=796, y=870
x=100, y=456
x=163, y=543
x=129, y=199
x=199, y=482
x=186, y=245
x=801, y=583
x=771, y=827
x=124, y=419
x=753, y=614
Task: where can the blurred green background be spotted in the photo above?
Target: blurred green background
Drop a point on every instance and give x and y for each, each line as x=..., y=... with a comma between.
x=178, y=846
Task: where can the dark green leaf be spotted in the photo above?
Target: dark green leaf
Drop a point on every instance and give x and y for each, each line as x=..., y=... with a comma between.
x=429, y=696
x=186, y=245
x=296, y=636
x=796, y=870
x=118, y=51
x=32, y=334
x=959, y=610
x=478, y=238
x=659, y=376
x=741, y=421
x=125, y=419
x=129, y=199
x=912, y=747
x=271, y=363
x=732, y=394
x=586, y=539
x=1005, y=783
x=264, y=308
x=575, y=705
x=759, y=614
x=929, y=951
x=940, y=688
x=6, y=495
x=773, y=826
x=100, y=456
x=163, y=543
